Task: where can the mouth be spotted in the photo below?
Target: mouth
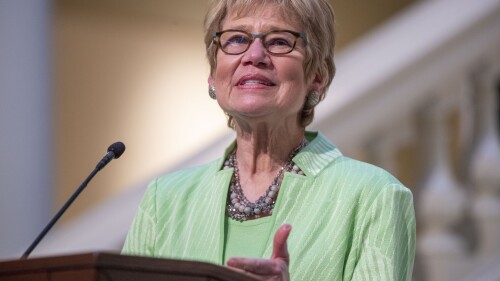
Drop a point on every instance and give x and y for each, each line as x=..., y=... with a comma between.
x=249, y=80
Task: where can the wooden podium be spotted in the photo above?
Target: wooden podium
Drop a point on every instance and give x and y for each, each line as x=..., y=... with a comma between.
x=114, y=267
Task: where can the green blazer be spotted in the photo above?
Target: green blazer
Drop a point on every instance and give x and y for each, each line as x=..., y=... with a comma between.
x=350, y=220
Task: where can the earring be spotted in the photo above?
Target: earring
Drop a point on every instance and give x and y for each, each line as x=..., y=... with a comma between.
x=312, y=99
x=211, y=92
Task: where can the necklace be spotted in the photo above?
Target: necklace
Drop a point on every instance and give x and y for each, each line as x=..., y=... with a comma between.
x=239, y=207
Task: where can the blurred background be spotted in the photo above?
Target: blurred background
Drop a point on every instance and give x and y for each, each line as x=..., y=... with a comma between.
x=416, y=92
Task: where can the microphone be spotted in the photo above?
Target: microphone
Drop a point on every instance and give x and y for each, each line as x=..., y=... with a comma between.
x=114, y=152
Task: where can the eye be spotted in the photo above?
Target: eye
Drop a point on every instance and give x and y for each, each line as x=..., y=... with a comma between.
x=280, y=39
x=279, y=42
x=236, y=39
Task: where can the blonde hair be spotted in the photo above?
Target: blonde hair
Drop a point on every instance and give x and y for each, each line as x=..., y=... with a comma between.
x=315, y=16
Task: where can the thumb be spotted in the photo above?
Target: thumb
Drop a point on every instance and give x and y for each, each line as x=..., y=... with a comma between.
x=280, y=248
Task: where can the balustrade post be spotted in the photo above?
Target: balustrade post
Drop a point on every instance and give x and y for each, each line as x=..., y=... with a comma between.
x=485, y=165
x=441, y=202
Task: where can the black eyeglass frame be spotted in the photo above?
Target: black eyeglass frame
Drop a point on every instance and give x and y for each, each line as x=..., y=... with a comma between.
x=262, y=36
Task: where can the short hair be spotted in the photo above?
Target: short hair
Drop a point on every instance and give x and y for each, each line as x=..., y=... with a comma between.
x=318, y=22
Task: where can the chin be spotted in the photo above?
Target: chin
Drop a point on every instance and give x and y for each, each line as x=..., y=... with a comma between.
x=251, y=106
x=256, y=113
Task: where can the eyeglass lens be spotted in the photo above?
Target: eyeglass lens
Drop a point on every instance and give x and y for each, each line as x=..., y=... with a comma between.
x=276, y=42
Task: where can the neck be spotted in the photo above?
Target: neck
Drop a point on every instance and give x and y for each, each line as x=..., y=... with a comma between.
x=261, y=152
x=265, y=150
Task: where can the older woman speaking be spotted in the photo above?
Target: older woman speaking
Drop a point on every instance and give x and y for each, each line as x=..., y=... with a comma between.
x=271, y=63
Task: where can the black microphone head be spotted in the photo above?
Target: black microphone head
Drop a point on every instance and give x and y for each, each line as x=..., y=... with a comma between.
x=117, y=148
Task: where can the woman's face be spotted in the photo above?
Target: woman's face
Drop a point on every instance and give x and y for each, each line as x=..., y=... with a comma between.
x=257, y=85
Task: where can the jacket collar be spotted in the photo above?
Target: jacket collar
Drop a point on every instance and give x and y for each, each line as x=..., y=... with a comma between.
x=318, y=154
x=313, y=158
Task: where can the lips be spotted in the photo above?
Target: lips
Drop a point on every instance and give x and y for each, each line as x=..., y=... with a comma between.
x=254, y=80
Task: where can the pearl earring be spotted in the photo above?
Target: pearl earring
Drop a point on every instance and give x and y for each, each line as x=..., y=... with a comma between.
x=211, y=92
x=312, y=99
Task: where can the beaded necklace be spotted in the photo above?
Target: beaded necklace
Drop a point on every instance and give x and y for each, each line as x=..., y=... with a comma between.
x=239, y=207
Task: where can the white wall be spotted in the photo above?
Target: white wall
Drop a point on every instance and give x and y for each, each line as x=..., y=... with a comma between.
x=25, y=123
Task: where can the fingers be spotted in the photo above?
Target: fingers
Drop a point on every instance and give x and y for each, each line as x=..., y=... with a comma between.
x=280, y=248
x=263, y=267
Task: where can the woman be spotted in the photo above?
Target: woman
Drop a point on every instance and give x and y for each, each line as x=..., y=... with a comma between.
x=271, y=64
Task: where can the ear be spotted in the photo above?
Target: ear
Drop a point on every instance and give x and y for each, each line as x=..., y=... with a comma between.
x=211, y=81
x=317, y=83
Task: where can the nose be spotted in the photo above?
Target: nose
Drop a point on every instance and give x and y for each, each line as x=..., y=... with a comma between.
x=256, y=54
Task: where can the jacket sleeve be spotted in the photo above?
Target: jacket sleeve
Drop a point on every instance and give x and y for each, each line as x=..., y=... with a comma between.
x=141, y=237
x=386, y=237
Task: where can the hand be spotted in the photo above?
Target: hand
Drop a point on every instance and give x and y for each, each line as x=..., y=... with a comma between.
x=273, y=269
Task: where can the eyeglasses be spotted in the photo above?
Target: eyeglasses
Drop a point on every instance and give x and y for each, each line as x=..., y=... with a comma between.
x=235, y=42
